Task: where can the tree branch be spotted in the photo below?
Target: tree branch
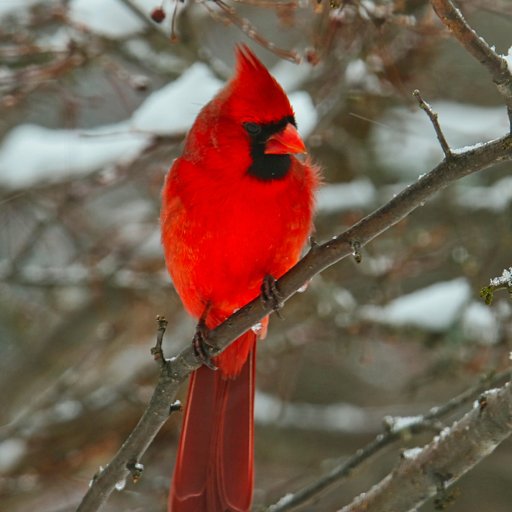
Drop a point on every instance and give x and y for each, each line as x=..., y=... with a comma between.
x=452, y=18
x=396, y=429
x=429, y=471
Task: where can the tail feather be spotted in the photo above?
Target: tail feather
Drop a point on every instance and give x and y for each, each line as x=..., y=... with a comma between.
x=214, y=466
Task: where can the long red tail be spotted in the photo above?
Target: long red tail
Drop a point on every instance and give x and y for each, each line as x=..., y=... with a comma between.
x=214, y=466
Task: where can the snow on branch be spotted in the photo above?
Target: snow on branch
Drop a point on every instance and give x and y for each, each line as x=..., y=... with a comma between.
x=431, y=470
x=495, y=64
x=396, y=428
x=497, y=283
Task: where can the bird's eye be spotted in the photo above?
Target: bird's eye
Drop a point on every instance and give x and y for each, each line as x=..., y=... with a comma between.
x=252, y=129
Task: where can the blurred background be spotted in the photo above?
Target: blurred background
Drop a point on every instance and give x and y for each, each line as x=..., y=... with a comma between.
x=95, y=101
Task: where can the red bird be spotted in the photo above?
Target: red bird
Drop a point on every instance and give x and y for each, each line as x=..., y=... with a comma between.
x=237, y=208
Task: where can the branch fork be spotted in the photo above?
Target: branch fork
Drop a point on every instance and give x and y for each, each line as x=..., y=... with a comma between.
x=433, y=116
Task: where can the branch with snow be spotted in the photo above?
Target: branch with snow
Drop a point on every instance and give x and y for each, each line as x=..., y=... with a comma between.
x=497, y=283
x=396, y=428
x=498, y=66
x=430, y=471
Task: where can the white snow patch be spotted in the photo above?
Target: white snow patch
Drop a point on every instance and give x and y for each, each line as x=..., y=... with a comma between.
x=340, y=417
x=109, y=18
x=494, y=198
x=412, y=453
x=434, y=308
x=94, y=478
x=479, y=324
x=173, y=108
x=128, y=363
x=57, y=41
x=74, y=273
x=344, y=299
x=120, y=485
x=504, y=279
x=151, y=246
x=406, y=144
x=357, y=74
x=399, y=423
x=134, y=233
x=493, y=392
x=33, y=154
x=465, y=149
x=508, y=59
x=443, y=434
x=162, y=61
x=284, y=501
x=340, y=197
x=11, y=452
x=256, y=328
x=376, y=265
x=291, y=76
x=67, y=410
x=72, y=298
x=305, y=112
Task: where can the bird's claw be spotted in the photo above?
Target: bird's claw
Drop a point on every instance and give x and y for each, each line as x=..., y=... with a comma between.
x=202, y=349
x=270, y=294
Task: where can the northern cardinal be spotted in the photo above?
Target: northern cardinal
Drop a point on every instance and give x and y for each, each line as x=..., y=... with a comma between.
x=237, y=208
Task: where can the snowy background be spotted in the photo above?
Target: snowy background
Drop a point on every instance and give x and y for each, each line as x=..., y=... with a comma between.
x=95, y=102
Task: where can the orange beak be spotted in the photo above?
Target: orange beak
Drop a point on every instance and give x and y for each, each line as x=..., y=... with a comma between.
x=286, y=142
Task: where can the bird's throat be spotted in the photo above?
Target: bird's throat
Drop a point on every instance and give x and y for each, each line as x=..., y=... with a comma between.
x=269, y=167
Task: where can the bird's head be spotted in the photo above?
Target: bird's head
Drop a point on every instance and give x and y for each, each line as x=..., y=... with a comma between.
x=252, y=120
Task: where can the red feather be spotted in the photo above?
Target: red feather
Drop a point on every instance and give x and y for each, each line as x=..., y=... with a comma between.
x=214, y=466
x=237, y=206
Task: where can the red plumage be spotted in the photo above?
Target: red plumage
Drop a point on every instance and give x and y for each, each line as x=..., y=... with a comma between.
x=237, y=207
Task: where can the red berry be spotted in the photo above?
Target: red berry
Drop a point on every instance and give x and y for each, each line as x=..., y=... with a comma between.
x=158, y=15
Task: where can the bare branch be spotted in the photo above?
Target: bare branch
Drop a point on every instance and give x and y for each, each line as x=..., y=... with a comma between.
x=435, y=467
x=497, y=66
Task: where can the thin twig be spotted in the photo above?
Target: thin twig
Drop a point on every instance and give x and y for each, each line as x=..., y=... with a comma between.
x=229, y=14
x=157, y=351
x=435, y=122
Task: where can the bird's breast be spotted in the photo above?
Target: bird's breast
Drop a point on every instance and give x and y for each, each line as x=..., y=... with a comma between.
x=224, y=238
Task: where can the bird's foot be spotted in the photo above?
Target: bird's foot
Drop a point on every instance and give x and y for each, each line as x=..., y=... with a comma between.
x=270, y=294
x=202, y=349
